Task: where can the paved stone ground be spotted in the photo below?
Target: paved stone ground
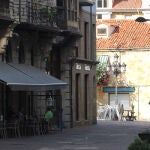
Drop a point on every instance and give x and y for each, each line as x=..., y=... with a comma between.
x=105, y=135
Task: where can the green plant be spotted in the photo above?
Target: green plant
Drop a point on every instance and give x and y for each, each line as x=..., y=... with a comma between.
x=145, y=135
x=52, y=13
x=139, y=145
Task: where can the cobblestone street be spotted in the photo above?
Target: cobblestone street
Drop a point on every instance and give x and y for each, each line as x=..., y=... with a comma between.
x=105, y=135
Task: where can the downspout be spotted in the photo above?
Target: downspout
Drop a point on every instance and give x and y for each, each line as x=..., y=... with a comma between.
x=70, y=95
x=71, y=63
x=91, y=30
x=138, y=103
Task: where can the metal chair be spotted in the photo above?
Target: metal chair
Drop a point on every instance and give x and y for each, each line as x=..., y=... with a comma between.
x=3, y=131
x=31, y=127
x=43, y=127
x=13, y=129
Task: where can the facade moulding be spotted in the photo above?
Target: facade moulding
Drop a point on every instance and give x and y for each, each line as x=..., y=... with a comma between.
x=121, y=10
x=83, y=61
x=122, y=49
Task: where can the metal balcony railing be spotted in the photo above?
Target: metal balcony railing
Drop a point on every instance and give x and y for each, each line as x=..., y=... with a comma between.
x=32, y=13
x=4, y=12
x=40, y=15
x=37, y=14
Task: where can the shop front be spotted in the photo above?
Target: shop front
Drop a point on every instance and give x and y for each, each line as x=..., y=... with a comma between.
x=28, y=90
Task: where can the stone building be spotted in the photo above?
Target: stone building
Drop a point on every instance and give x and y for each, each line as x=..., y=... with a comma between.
x=48, y=58
x=114, y=9
x=131, y=41
x=117, y=11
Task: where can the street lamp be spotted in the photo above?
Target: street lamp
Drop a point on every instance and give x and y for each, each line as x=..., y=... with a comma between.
x=117, y=68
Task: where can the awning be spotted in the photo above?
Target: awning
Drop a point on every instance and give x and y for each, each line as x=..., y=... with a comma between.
x=21, y=77
x=103, y=60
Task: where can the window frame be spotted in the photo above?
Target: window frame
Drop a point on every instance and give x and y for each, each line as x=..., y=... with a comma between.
x=102, y=3
x=102, y=33
x=99, y=16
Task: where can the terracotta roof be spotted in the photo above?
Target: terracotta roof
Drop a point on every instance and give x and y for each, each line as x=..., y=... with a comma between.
x=127, y=34
x=127, y=4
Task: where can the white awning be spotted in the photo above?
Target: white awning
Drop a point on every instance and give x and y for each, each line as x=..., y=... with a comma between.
x=21, y=77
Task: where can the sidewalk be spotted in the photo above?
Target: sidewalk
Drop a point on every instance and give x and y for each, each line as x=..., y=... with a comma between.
x=105, y=135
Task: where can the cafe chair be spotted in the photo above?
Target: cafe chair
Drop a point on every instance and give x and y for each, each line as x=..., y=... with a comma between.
x=3, y=131
x=13, y=129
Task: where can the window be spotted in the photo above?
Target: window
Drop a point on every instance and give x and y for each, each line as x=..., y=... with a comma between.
x=86, y=34
x=99, y=3
x=72, y=3
x=93, y=53
x=105, y=3
x=99, y=16
x=102, y=3
x=101, y=31
x=60, y=3
x=72, y=10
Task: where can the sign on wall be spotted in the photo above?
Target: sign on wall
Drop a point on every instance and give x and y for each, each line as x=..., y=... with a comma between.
x=78, y=66
x=87, y=67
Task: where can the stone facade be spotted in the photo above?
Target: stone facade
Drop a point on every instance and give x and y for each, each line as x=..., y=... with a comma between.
x=131, y=9
x=137, y=76
x=57, y=51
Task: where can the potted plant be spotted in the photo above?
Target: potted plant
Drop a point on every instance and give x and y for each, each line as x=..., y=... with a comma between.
x=138, y=144
x=145, y=136
x=52, y=15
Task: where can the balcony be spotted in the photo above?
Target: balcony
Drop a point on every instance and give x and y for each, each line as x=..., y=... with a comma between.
x=33, y=13
x=44, y=16
x=86, y=2
x=37, y=16
x=5, y=15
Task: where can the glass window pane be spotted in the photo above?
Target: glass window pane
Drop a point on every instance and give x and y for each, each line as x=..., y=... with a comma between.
x=105, y=3
x=101, y=31
x=99, y=3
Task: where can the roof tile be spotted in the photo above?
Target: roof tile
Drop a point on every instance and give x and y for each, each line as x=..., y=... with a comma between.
x=128, y=34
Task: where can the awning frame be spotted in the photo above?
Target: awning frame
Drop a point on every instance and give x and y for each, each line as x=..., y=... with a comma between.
x=22, y=77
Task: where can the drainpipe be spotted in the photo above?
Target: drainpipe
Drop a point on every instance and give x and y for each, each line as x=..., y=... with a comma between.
x=70, y=95
x=71, y=63
x=91, y=30
x=138, y=102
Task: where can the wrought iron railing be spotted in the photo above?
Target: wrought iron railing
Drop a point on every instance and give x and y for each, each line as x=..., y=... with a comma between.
x=4, y=12
x=34, y=13
x=38, y=14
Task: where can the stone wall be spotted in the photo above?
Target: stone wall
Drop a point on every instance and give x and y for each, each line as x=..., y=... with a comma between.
x=137, y=75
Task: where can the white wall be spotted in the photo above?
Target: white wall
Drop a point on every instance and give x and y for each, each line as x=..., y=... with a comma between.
x=146, y=5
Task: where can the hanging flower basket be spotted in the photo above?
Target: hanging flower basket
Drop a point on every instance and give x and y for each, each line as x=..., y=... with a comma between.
x=103, y=79
x=102, y=75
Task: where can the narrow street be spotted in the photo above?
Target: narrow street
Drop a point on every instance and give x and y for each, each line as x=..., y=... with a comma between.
x=106, y=135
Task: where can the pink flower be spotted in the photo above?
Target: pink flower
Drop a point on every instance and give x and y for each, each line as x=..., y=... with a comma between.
x=104, y=81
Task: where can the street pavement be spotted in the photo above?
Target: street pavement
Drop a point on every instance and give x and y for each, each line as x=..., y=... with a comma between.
x=105, y=135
